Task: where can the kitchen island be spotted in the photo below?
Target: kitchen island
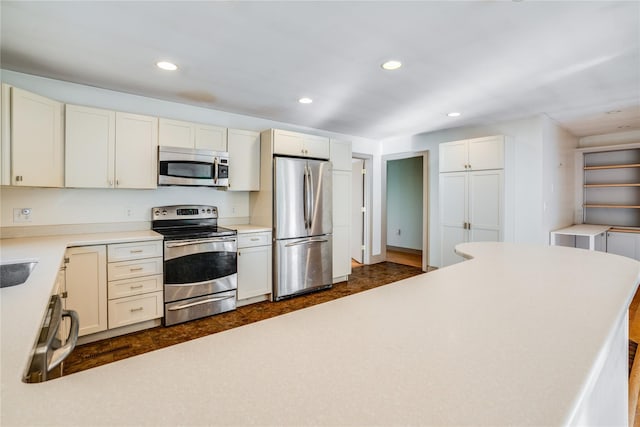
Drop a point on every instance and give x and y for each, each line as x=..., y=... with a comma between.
x=519, y=335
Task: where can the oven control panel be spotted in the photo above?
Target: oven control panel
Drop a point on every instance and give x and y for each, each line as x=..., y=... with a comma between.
x=184, y=212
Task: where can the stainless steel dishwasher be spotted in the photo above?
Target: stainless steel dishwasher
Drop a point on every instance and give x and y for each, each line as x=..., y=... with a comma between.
x=49, y=350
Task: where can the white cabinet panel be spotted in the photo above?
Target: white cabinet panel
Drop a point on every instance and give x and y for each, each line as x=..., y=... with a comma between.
x=485, y=202
x=300, y=145
x=86, y=283
x=248, y=240
x=472, y=154
x=175, y=133
x=136, y=151
x=90, y=143
x=134, y=250
x=135, y=286
x=37, y=151
x=137, y=268
x=210, y=137
x=625, y=244
x=453, y=156
x=341, y=250
x=135, y=309
x=340, y=154
x=451, y=236
x=486, y=153
x=453, y=199
x=244, y=158
x=254, y=271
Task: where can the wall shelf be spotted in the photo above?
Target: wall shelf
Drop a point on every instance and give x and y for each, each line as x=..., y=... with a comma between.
x=624, y=166
x=611, y=191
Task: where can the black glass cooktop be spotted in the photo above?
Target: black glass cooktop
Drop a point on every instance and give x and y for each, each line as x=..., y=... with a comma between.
x=199, y=232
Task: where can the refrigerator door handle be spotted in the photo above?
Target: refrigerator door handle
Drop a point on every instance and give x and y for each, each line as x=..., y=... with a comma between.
x=306, y=242
x=305, y=204
x=310, y=194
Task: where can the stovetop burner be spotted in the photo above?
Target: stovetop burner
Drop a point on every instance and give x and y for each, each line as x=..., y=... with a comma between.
x=188, y=222
x=175, y=233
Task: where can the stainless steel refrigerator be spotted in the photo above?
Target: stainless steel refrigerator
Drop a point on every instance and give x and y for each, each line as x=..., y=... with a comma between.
x=302, y=196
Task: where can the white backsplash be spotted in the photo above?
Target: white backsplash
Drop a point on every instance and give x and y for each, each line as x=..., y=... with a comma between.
x=53, y=206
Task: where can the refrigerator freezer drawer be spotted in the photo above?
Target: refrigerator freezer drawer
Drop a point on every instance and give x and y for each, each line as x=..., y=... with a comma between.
x=302, y=265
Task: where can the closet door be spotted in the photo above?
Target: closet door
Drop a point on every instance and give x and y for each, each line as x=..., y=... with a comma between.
x=485, y=206
x=453, y=208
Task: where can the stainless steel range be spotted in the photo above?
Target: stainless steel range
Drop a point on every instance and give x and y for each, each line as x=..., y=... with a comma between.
x=200, y=262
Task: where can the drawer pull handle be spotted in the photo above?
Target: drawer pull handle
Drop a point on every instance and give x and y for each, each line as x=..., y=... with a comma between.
x=254, y=239
x=136, y=269
x=137, y=251
x=135, y=287
x=136, y=309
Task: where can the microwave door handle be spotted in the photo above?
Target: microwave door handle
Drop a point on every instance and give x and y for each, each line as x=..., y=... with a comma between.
x=215, y=170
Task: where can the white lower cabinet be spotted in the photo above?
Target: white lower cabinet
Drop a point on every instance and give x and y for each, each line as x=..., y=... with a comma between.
x=254, y=265
x=135, y=282
x=86, y=285
x=625, y=244
x=341, y=250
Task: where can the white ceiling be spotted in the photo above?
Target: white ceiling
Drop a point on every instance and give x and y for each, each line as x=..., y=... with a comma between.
x=489, y=60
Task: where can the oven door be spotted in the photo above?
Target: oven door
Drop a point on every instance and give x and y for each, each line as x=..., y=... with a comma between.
x=199, y=267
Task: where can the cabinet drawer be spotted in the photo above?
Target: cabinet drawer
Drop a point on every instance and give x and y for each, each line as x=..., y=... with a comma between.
x=254, y=239
x=135, y=250
x=130, y=287
x=131, y=269
x=125, y=311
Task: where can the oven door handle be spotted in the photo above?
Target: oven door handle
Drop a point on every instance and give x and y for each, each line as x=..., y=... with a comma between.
x=192, y=304
x=200, y=241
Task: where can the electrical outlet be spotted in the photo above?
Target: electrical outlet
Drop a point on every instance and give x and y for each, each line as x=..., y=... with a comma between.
x=22, y=214
x=128, y=212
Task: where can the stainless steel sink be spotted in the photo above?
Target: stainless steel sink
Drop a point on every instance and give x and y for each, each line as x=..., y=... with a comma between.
x=15, y=273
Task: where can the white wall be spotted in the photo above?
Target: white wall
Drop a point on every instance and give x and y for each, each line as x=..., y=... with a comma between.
x=523, y=176
x=558, y=183
x=629, y=137
x=72, y=206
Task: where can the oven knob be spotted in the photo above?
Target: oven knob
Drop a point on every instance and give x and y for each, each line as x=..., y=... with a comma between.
x=208, y=210
x=156, y=213
x=164, y=212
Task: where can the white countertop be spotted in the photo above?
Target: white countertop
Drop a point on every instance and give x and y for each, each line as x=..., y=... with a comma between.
x=249, y=228
x=510, y=337
x=582, y=230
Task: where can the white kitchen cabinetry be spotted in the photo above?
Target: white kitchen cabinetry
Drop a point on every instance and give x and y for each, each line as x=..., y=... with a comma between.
x=300, y=144
x=342, y=183
x=36, y=129
x=254, y=265
x=177, y=133
x=86, y=285
x=244, y=157
x=624, y=243
x=136, y=151
x=108, y=149
x=471, y=202
x=472, y=154
x=90, y=147
x=135, y=282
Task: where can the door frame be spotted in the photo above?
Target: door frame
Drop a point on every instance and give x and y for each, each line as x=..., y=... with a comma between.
x=368, y=188
x=425, y=201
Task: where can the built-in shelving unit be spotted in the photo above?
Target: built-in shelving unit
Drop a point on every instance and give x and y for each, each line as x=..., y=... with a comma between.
x=612, y=187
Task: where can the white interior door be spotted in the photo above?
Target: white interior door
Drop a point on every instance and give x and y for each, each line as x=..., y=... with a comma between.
x=357, y=216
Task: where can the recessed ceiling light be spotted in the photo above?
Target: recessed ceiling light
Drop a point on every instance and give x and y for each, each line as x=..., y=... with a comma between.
x=169, y=66
x=391, y=65
x=453, y=114
x=305, y=100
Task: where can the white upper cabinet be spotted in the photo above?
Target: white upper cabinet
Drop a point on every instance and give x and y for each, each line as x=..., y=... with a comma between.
x=472, y=154
x=90, y=144
x=136, y=151
x=300, y=145
x=341, y=155
x=37, y=151
x=244, y=158
x=176, y=133
x=108, y=149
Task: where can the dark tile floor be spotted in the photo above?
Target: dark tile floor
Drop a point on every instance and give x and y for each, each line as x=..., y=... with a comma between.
x=118, y=348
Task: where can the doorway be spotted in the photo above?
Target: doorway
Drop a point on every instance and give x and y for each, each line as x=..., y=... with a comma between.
x=405, y=178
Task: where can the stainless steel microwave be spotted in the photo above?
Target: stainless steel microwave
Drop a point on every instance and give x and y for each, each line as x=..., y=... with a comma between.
x=193, y=167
